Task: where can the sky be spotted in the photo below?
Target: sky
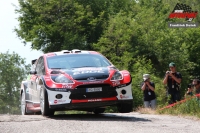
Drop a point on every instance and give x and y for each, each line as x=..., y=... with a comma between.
x=8, y=38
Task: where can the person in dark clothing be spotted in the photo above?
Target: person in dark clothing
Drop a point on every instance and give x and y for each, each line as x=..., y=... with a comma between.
x=194, y=88
x=148, y=92
x=173, y=80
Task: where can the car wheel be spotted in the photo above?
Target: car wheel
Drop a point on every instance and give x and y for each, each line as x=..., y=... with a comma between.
x=99, y=110
x=125, y=107
x=44, y=103
x=23, y=104
x=37, y=113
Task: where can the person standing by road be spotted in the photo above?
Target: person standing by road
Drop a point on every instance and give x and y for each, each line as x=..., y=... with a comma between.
x=173, y=80
x=148, y=88
x=196, y=88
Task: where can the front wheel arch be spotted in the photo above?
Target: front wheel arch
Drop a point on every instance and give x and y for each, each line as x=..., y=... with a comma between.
x=44, y=102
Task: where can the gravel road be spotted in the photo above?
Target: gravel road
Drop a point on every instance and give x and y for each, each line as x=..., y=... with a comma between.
x=103, y=123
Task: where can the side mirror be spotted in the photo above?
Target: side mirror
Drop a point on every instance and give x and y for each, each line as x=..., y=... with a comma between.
x=33, y=72
x=33, y=61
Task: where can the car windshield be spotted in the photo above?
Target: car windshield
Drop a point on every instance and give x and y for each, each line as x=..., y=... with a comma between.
x=70, y=61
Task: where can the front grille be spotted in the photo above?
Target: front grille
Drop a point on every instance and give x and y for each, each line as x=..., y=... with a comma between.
x=80, y=93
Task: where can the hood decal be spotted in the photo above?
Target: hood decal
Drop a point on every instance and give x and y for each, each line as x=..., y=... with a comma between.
x=88, y=73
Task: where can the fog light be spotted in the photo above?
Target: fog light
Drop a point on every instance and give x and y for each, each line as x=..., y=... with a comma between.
x=59, y=96
x=123, y=92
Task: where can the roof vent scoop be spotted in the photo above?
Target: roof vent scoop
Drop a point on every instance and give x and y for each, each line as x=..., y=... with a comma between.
x=76, y=51
x=65, y=51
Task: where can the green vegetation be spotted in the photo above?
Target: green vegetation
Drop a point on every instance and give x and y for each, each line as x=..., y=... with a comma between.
x=12, y=72
x=190, y=107
x=132, y=34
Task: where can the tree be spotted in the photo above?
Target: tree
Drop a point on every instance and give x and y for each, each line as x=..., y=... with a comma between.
x=127, y=32
x=12, y=71
x=52, y=25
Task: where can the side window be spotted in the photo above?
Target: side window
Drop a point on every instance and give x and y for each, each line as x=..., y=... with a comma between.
x=40, y=66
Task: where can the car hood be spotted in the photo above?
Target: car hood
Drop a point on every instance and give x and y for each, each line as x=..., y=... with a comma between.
x=88, y=73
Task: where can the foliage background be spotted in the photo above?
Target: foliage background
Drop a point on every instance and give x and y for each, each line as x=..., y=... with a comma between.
x=132, y=34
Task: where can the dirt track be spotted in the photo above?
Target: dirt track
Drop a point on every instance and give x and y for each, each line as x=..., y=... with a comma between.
x=104, y=123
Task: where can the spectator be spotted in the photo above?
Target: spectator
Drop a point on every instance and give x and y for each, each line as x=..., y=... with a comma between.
x=196, y=84
x=190, y=90
x=173, y=80
x=148, y=92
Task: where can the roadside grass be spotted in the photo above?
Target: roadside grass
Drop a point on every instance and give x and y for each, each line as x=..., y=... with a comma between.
x=190, y=107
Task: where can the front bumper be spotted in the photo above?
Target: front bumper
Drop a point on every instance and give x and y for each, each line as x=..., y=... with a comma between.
x=82, y=106
x=79, y=98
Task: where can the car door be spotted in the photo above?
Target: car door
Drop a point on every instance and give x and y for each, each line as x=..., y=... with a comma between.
x=35, y=79
x=31, y=84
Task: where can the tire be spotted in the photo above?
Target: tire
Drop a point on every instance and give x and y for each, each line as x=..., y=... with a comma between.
x=23, y=104
x=99, y=110
x=44, y=103
x=125, y=107
x=37, y=113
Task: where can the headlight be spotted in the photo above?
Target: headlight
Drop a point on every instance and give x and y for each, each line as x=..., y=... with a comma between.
x=62, y=79
x=117, y=76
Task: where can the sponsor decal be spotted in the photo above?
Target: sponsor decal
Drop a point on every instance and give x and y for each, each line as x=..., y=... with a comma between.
x=94, y=100
x=183, y=11
x=123, y=96
x=59, y=101
x=87, y=71
x=120, y=86
x=67, y=86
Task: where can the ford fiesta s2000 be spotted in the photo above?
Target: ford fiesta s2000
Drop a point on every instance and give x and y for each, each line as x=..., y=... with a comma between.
x=75, y=80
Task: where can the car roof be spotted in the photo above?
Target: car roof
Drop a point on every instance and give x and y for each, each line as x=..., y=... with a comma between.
x=74, y=51
x=64, y=52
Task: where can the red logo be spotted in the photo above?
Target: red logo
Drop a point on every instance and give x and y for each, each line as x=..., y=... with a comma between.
x=183, y=11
